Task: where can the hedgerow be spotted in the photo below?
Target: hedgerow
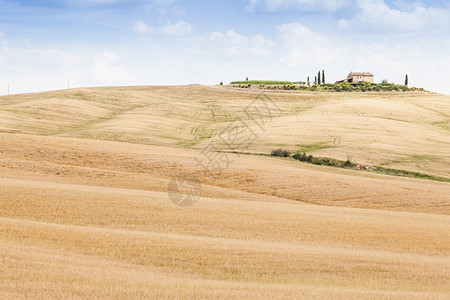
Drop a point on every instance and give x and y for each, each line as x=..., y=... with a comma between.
x=328, y=87
x=271, y=82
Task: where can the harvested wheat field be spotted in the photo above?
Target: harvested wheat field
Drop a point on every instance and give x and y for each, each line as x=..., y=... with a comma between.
x=86, y=210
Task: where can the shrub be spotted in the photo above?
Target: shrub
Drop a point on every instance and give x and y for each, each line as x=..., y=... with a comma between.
x=299, y=156
x=376, y=88
x=348, y=164
x=280, y=153
x=289, y=87
x=221, y=83
x=303, y=157
x=346, y=86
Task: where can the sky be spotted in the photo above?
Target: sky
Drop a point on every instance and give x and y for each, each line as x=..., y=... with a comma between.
x=51, y=45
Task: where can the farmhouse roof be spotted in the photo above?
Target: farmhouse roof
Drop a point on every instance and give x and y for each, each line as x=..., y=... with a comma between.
x=360, y=74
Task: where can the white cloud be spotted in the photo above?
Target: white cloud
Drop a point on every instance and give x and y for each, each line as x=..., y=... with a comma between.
x=178, y=29
x=34, y=69
x=165, y=8
x=229, y=37
x=393, y=60
x=106, y=70
x=3, y=39
x=77, y=3
x=294, y=33
x=142, y=29
x=234, y=44
x=94, y=2
x=299, y=46
x=343, y=24
x=301, y=5
x=305, y=51
x=413, y=17
x=40, y=56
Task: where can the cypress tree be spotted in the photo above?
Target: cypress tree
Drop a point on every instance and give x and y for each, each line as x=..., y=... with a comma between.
x=318, y=78
x=323, y=76
x=406, y=80
x=307, y=81
x=315, y=80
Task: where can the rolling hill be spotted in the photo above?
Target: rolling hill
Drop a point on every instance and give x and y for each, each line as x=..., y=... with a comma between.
x=85, y=210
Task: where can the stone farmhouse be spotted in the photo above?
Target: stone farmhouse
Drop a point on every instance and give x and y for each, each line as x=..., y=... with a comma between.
x=357, y=77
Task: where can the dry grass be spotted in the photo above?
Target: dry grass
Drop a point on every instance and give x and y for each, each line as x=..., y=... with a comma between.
x=369, y=128
x=86, y=218
x=112, y=164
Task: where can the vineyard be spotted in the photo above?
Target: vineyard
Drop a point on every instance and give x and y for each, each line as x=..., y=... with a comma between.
x=269, y=82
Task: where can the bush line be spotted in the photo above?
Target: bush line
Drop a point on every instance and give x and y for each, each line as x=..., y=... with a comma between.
x=331, y=162
x=328, y=87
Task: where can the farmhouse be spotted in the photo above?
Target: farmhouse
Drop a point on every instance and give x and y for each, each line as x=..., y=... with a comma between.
x=358, y=77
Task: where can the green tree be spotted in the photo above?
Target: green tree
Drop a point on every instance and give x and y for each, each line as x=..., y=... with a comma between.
x=318, y=78
x=246, y=79
x=323, y=76
x=307, y=81
x=221, y=83
x=406, y=80
x=315, y=80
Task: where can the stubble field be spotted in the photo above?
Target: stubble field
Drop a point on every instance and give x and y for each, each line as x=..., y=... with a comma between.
x=84, y=208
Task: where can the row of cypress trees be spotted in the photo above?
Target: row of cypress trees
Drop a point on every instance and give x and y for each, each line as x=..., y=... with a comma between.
x=319, y=79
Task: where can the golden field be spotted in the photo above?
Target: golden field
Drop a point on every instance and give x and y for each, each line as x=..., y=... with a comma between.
x=85, y=212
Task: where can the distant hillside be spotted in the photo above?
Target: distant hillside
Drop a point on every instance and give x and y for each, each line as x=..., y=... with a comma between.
x=398, y=130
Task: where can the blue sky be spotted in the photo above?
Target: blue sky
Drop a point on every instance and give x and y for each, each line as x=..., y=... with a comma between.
x=43, y=44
